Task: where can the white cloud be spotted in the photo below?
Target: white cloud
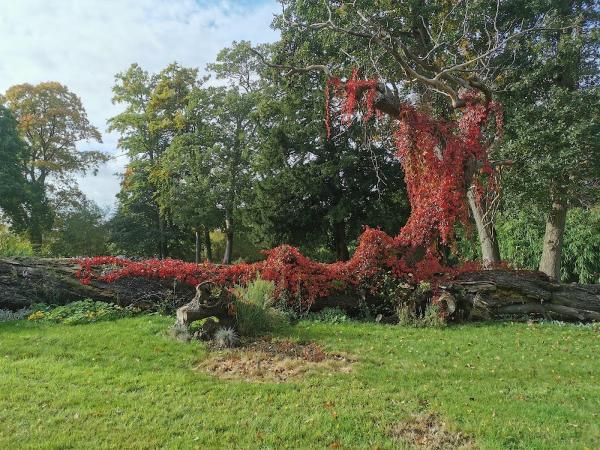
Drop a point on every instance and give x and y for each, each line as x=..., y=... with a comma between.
x=84, y=43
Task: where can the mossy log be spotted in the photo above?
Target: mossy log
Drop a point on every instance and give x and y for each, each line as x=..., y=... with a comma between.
x=478, y=295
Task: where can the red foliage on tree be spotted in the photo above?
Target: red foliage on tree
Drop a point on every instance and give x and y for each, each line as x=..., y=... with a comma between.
x=436, y=156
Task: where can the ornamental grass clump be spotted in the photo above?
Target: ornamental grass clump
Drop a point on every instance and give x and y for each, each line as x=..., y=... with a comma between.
x=226, y=337
x=254, y=308
x=6, y=315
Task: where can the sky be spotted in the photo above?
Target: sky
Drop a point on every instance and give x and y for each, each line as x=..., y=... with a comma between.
x=84, y=43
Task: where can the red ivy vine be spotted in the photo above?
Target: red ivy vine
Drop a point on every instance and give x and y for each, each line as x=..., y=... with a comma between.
x=435, y=155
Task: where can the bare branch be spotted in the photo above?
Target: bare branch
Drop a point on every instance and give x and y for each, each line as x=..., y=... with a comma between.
x=293, y=69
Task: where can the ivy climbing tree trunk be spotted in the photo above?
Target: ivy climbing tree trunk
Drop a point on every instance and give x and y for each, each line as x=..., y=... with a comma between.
x=553, y=240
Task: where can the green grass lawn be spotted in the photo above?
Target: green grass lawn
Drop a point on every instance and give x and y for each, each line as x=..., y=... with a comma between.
x=126, y=384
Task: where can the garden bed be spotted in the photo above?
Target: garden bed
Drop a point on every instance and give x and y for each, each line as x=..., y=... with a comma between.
x=269, y=359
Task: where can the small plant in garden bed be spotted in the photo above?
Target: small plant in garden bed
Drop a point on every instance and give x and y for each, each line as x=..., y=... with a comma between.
x=432, y=317
x=180, y=332
x=6, y=315
x=329, y=315
x=83, y=311
x=226, y=337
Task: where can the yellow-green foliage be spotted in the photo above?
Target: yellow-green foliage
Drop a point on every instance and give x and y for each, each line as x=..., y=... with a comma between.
x=13, y=245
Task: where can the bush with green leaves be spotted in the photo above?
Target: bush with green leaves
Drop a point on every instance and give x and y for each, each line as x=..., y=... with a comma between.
x=329, y=315
x=83, y=311
x=197, y=325
x=254, y=308
x=13, y=244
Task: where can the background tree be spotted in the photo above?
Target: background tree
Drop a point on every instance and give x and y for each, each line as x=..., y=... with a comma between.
x=51, y=120
x=185, y=189
x=423, y=48
x=317, y=192
x=232, y=111
x=153, y=116
x=13, y=155
x=79, y=230
x=553, y=122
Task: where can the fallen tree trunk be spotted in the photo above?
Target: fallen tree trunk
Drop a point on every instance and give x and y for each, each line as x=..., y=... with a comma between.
x=493, y=294
x=26, y=281
x=479, y=295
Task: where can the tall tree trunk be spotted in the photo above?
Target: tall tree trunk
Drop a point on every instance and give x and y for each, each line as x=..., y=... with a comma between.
x=485, y=230
x=162, y=252
x=229, y=236
x=208, y=244
x=553, y=240
x=197, y=247
x=35, y=236
x=339, y=241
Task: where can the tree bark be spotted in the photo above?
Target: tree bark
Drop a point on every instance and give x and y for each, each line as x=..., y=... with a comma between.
x=208, y=244
x=479, y=295
x=553, y=240
x=229, y=237
x=339, y=241
x=485, y=231
x=26, y=281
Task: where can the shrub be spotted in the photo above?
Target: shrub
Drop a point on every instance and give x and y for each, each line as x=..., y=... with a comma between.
x=197, y=325
x=433, y=317
x=83, y=311
x=13, y=244
x=254, y=311
x=329, y=315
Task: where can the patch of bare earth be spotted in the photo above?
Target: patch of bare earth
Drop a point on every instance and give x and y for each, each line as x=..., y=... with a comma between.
x=273, y=360
x=428, y=431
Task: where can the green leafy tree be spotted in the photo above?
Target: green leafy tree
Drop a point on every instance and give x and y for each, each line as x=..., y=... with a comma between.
x=153, y=116
x=51, y=121
x=79, y=230
x=13, y=154
x=316, y=192
x=430, y=50
x=185, y=190
x=553, y=123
